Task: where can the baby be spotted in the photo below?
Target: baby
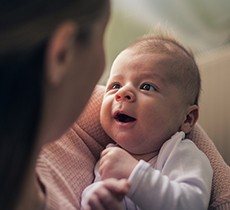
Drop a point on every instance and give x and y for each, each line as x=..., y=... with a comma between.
x=149, y=106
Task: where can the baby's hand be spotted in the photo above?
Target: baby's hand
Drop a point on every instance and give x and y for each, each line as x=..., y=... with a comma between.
x=115, y=162
x=108, y=196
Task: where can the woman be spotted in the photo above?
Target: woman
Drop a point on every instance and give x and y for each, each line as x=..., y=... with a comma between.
x=50, y=52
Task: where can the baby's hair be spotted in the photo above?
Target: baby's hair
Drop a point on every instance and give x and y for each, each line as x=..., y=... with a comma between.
x=184, y=68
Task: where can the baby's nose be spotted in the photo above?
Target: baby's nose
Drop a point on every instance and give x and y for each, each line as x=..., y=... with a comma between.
x=125, y=95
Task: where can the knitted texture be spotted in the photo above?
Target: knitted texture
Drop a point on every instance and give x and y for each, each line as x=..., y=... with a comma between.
x=220, y=195
x=65, y=167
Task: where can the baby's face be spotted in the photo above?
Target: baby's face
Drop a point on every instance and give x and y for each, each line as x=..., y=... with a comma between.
x=141, y=107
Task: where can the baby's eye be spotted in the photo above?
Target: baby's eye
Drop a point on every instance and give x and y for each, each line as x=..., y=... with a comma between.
x=148, y=87
x=115, y=86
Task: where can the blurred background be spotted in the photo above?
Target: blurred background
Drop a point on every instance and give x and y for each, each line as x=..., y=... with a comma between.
x=203, y=26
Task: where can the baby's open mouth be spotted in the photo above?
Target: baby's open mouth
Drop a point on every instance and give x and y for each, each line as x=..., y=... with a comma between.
x=124, y=118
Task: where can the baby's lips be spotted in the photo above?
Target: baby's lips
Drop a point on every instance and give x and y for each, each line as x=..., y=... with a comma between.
x=119, y=113
x=123, y=118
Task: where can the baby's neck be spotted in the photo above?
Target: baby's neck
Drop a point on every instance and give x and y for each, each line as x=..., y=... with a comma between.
x=146, y=157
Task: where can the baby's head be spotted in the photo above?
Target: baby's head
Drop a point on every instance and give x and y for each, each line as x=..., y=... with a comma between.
x=152, y=93
x=182, y=68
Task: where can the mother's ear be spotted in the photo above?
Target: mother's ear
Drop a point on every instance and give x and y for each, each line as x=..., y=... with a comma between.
x=190, y=119
x=59, y=52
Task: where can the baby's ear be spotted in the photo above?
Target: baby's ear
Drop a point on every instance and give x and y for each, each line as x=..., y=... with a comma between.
x=190, y=118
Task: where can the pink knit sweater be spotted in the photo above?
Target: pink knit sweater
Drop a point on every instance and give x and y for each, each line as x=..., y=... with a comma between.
x=65, y=167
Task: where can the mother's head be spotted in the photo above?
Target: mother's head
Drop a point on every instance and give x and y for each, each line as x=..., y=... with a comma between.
x=51, y=56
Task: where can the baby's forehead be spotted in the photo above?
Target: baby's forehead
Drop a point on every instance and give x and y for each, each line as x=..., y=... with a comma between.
x=146, y=64
x=131, y=55
x=136, y=59
x=174, y=56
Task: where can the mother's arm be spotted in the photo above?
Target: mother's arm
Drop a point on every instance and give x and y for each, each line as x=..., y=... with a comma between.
x=220, y=195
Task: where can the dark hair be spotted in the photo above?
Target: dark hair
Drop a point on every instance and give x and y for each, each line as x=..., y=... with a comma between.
x=21, y=99
x=184, y=70
x=26, y=27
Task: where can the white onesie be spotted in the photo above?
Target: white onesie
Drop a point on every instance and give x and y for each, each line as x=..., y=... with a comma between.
x=180, y=177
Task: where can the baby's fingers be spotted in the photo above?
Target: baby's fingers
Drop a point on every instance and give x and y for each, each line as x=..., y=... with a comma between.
x=117, y=187
x=108, y=148
x=104, y=199
x=95, y=202
x=107, y=200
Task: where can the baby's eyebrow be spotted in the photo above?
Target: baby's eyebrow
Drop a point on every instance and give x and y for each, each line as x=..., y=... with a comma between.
x=115, y=77
x=112, y=80
x=151, y=75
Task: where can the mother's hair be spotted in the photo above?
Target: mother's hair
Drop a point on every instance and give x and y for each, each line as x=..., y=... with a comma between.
x=26, y=27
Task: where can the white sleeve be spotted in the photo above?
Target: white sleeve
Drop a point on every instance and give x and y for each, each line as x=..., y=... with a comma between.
x=182, y=182
x=87, y=193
